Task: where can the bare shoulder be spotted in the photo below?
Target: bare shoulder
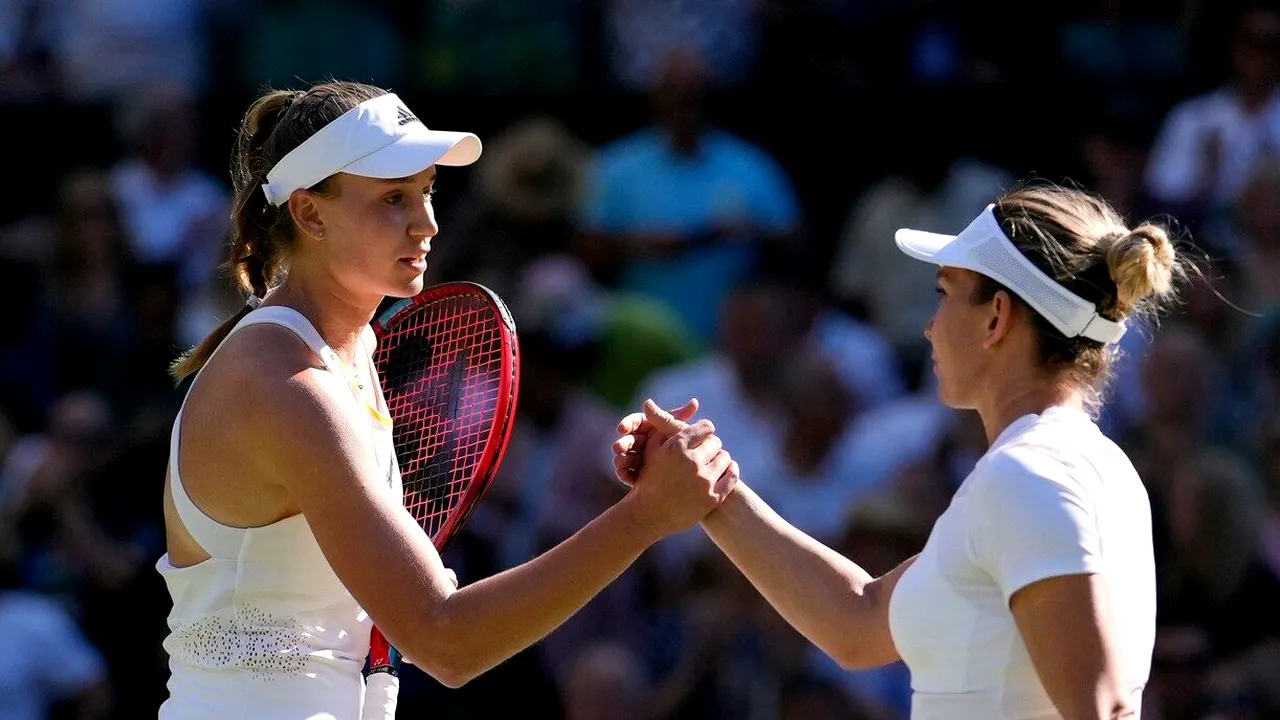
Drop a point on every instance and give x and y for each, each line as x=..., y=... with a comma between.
x=267, y=394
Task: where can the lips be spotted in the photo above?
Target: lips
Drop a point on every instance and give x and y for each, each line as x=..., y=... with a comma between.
x=417, y=262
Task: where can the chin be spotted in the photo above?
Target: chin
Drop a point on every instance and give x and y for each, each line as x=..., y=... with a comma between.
x=405, y=290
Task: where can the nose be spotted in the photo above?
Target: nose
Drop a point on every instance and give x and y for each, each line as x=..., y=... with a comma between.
x=422, y=225
x=928, y=330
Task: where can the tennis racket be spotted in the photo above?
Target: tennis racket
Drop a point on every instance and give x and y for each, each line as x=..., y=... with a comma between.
x=449, y=365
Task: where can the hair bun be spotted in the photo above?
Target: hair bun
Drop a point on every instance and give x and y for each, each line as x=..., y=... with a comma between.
x=1143, y=264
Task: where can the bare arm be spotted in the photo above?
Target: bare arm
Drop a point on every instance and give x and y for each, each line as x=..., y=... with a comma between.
x=834, y=603
x=1066, y=624
x=304, y=439
x=825, y=596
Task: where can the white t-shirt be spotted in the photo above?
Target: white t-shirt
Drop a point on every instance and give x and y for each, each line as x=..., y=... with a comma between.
x=1052, y=496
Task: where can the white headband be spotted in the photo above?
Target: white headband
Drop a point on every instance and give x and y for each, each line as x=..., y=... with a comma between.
x=984, y=248
x=379, y=138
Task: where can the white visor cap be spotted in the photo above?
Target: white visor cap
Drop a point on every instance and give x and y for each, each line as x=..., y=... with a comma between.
x=379, y=138
x=984, y=248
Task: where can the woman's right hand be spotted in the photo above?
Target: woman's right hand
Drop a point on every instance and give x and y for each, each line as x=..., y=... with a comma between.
x=683, y=477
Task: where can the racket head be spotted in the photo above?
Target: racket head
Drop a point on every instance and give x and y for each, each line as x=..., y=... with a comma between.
x=448, y=360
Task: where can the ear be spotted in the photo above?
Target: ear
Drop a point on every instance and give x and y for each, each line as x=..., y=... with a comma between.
x=306, y=214
x=1000, y=319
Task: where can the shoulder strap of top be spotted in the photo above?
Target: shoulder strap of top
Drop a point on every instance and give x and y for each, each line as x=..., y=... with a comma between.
x=224, y=541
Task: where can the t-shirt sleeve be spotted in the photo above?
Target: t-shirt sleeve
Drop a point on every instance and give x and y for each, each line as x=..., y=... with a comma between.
x=1028, y=520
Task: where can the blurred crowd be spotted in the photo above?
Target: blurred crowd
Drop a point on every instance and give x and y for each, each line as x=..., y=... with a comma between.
x=678, y=198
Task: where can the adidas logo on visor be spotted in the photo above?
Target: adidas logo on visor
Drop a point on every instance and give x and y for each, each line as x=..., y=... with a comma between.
x=405, y=116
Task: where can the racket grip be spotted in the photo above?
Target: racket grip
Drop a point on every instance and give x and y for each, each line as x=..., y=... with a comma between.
x=382, y=680
x=381, y=692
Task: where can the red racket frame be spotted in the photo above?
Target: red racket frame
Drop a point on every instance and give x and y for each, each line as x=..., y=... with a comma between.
x=381, y=653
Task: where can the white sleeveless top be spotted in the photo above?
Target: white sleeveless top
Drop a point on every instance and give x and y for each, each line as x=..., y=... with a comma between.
x=263, y=628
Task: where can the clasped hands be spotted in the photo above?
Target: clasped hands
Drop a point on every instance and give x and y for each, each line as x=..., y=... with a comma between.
x=678, y=471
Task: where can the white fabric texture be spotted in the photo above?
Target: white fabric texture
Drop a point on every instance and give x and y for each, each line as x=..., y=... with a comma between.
x=1053, y=496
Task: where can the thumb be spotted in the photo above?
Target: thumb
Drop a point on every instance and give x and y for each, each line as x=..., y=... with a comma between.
x=662, y=421
x=688, y=410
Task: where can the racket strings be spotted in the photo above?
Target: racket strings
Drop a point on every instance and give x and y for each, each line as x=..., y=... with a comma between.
x=443, y=370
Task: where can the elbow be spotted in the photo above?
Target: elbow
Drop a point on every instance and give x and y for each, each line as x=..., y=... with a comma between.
x=451, y=672
x=1101, y=708
x=452, y=678
x=444, y=656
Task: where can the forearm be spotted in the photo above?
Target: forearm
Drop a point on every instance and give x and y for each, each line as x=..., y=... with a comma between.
x=818, y=591
x=498, y=616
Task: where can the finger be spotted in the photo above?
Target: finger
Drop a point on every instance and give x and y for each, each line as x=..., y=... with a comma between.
x=626, y=475
x=621, y=462
x=661, y=420
x=708, y=447
x=630, y=461
x=453, y=577
x=629, y=443
x=693, y=435
x=728, y=479
x=718, y=464
x=631, y=423
x=638, y=424
x=686, y=411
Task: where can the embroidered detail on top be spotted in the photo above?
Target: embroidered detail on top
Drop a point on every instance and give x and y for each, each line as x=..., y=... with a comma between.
x=243, y=637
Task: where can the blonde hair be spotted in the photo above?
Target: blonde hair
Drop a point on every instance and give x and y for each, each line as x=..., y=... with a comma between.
x=1080, y=241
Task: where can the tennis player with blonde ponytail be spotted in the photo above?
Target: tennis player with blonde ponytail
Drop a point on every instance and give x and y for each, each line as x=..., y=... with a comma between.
x=1034, y=596
x=287, y=539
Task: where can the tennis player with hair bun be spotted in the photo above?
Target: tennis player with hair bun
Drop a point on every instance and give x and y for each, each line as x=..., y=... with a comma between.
x=1034, y=596
x=287, y=539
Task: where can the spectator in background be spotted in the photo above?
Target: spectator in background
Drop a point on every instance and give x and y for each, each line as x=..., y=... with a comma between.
x=47, y=498
x=47, y=666
x=174, y=211
x=105, y=49
x=520, y=208
x=1256, y=218
x=1207, y=144
x=27, y=70
x=935, y=185
x=1181, y=404
x=1113, y=153
x=680, y=209
x=639, y=36
x=762, y=324
x=1253, y=393
x=91, y=314
x=827, y=467
x=1213, y=574
x=633, y=336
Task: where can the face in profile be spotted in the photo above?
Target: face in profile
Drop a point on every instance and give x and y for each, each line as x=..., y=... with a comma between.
x=377, y=232
x=955, y=335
